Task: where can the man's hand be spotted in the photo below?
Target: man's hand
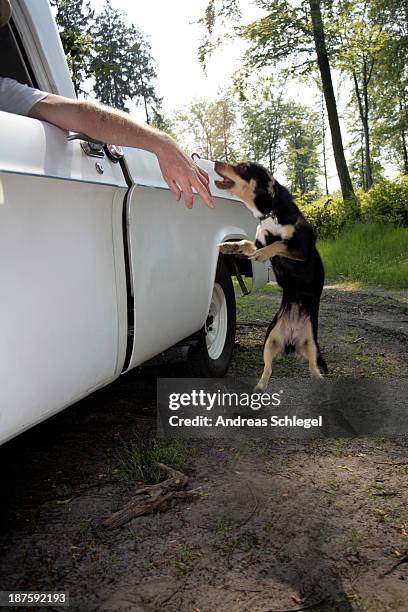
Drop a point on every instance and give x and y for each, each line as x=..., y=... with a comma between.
x=109, y=125
x=182, y=174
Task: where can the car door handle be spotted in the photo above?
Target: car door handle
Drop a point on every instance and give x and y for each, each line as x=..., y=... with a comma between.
x=90, y=146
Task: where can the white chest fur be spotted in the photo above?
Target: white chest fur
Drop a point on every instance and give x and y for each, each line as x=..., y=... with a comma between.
x=272, y=226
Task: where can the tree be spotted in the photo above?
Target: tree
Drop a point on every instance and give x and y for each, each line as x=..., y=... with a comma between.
x=327, y=85
x=361, y=38
x=208, y=128
x=290, y=33
x=390, y=112
x=122, y=64
x=323, y=133
x=301, y=145
x=140, y=63
x=357, y=163
x=74, y=19
x=262, y=111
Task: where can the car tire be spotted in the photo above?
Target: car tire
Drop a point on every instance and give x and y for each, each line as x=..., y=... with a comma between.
x=211, y=356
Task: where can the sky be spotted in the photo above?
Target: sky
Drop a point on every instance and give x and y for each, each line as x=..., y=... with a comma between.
x=175, y=36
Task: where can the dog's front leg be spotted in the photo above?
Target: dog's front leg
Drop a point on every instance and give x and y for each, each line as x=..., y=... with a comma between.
x=242, y=247
x=276, y=248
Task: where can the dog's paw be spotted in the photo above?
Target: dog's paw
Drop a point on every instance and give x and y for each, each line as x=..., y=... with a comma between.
x=229, y=248
x=261, y=255
x=316, y=375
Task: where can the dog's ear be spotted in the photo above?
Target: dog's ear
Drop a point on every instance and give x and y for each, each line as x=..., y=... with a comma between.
x=265, y=183
x=281, y=194
x=271, y=185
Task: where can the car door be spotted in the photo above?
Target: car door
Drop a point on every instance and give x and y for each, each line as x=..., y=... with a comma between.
x=62, y=280
x=173, y=255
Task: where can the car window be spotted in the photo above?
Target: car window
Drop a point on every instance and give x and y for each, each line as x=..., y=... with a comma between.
x=13, y=61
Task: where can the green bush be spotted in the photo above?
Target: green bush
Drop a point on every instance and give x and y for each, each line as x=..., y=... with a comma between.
x=387, y=201
x=328, y=215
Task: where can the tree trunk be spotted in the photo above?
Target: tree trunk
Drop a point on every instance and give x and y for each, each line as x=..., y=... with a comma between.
x=403, y=137
x=368, y=165
x=362, y=159
x=325, y=73
x=363, y=111
x=404, y=151
x=324, y=149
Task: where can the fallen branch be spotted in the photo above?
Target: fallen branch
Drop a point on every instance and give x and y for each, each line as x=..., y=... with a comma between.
x=152, y=497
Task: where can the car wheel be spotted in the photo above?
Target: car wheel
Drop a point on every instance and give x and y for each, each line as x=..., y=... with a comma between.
x=213, y=352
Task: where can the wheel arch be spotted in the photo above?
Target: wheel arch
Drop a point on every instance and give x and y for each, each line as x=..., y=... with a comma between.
x=258, y=272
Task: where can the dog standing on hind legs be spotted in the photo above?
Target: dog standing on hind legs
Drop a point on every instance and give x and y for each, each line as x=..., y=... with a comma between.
x=288, y=240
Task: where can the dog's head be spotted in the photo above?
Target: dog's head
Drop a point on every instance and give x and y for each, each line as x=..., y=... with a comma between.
x=250, y=182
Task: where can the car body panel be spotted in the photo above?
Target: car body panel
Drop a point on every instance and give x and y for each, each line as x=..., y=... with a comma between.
x=174, y=254
x=62, y=326
x=71, y=227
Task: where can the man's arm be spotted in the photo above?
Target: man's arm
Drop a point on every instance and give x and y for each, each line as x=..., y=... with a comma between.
x=114, y=127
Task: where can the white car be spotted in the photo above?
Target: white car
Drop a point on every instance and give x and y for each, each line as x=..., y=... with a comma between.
x=100, y=268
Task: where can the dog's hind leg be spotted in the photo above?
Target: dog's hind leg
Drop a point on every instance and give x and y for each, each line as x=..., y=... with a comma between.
x=320, y=359
x=308, y=348
x=321, y=362
x=274, y=344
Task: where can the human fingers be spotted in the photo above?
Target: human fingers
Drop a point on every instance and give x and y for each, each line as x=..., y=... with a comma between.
x=187, y=192
x=203, y=175
x=203, y=190
x=174, y=188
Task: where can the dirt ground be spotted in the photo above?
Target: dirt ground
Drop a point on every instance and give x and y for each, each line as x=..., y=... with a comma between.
x=279, y=525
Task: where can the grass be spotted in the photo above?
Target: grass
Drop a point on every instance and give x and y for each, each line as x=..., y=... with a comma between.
x=368, y=254
x=137, y=459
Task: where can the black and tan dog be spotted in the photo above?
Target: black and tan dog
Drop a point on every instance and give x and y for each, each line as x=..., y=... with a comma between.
x=284, y=236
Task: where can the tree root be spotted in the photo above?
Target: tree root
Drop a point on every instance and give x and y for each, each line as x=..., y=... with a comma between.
x=152, y=497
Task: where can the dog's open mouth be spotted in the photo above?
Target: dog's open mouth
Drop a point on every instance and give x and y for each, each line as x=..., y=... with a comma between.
x=226, y=183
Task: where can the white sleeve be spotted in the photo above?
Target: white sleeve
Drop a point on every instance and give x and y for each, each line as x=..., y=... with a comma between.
x=17, y=98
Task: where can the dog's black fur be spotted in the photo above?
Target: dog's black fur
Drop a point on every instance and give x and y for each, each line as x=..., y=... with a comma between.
x=301, y=279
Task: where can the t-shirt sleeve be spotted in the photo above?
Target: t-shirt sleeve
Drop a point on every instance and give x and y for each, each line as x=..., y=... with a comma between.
x=17, y=98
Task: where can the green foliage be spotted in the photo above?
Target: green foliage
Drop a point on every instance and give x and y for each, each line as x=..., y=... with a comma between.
x=290, y=35
x=209, y=128
x=115, y=56
x=390, y=112
x=387, y=201
x=285, y=32
x=163, y=123
x=122, y=64
x=75, y=19
x=368, y=254
x=357, y=156
x=263, y=113
x=137, y=459
x=360, y=39
x=302, y=140
x=328, y=214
